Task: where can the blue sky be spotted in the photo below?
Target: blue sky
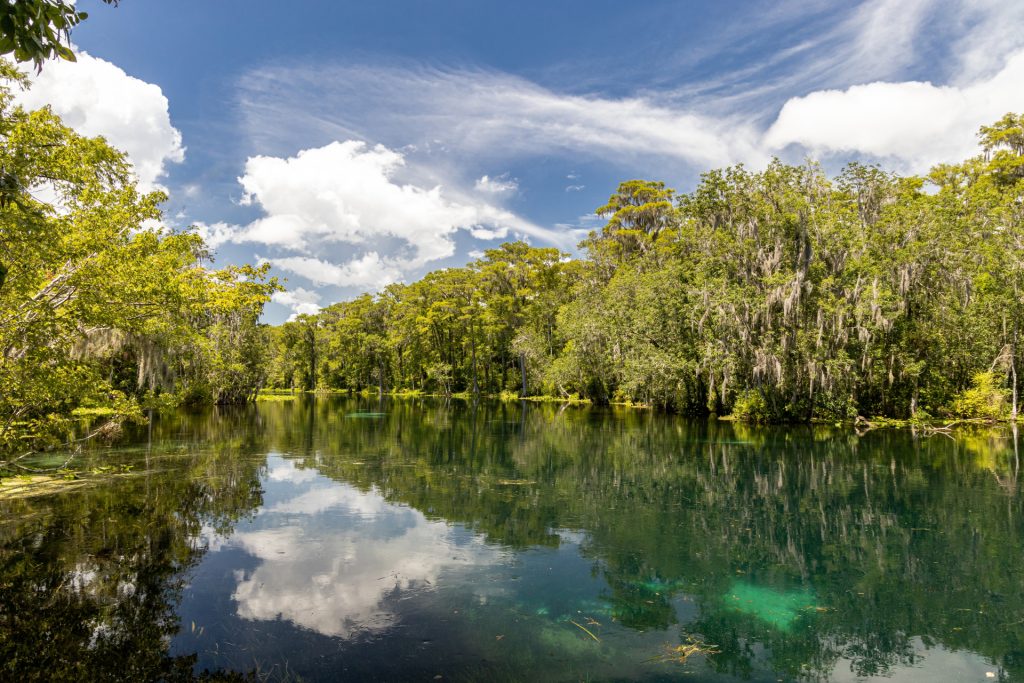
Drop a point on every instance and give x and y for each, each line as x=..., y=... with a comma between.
x=356, y=144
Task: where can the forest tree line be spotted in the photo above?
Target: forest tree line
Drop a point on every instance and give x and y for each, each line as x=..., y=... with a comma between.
x=779, y=295
x=773, y=295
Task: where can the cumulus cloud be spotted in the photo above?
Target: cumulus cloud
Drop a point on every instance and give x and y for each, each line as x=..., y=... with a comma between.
x=500, y=185
x=301, y=301
x=914, y=124
x=368, y=271
x=215, y=234
x=96, y=97
x=336, y=578
x=347, y=197
x=347, y=192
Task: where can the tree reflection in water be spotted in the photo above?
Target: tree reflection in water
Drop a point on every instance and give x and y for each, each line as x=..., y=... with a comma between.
x=801, y=552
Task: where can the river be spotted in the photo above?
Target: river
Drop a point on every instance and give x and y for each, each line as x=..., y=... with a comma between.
x=345, y=539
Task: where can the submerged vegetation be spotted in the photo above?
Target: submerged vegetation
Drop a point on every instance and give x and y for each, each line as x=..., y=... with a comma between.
x=623, y=543
x=779, y=295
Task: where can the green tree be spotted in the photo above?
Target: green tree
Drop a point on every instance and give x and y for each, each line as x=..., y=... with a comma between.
x=90, y=289
x=38, y=30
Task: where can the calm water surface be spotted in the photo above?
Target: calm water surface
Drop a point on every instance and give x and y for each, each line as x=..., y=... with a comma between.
x=333, y=539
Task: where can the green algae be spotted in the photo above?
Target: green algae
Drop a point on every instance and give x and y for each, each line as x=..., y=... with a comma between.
x=779, y=609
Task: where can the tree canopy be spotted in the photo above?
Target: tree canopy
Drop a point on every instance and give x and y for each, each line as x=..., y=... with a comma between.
x=100, y=306
x=779, y=294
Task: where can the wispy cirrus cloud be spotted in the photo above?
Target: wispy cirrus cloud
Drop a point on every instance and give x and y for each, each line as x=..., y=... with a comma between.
x=484, y=113
x=837, y=83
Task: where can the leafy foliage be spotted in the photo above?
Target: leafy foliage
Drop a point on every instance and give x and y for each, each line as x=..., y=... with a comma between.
x=779, y=295
x=37, y=30
x=985, y=399
x=96, y=305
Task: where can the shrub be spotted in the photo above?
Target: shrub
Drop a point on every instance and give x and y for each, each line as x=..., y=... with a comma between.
x=750, y=406
x=985, y=399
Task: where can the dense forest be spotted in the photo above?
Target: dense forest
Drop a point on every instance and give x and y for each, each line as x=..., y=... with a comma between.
x=779, y=295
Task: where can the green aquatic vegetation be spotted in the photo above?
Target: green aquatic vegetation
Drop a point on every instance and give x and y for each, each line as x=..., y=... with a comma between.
x=567, y=640
x=779, y=609
x=661, y=586
x=276, y=397
x=30, y=486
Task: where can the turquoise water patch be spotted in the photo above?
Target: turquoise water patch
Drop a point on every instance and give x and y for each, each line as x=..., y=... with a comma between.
x=779, y=609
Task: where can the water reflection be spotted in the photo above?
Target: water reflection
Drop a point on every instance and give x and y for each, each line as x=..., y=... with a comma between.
x=499, y=541
x=330, y=554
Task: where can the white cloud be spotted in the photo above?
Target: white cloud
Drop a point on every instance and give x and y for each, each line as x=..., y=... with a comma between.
x=335, y=579
x=499, y=185
x=347, y=193
x=881, y=36
x=215, y=234
x=483, y=113
x=96, y=97
x=369, y=271
x=914, y=124
x=575, y=188
x=489, y=234
x=991, y=31
x=301, y=301
x=286, y=471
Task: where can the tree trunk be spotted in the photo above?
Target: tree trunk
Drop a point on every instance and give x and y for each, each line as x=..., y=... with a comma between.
x=472, y=334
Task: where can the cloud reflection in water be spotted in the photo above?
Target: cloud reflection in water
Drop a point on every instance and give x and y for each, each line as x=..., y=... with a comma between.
x=331, y=554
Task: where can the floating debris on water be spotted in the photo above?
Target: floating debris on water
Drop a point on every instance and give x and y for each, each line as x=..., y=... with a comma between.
x=365, y=415
x=515, y=482
x=585, y=630
x=680, y=653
